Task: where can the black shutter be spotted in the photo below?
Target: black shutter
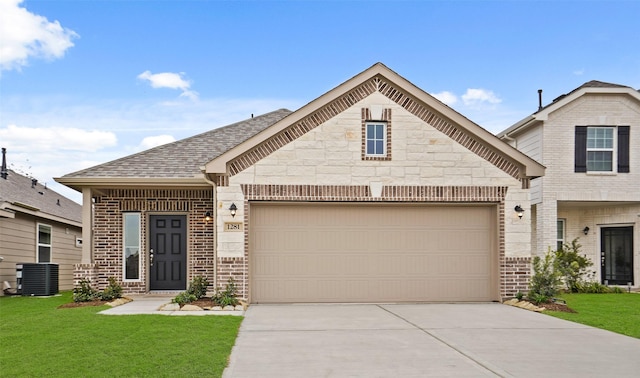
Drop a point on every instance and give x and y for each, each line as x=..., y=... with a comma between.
x=623, y=149
x=581, y=149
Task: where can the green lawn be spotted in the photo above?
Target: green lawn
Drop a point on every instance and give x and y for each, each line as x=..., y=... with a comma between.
x=37, y=339
x=614, y=312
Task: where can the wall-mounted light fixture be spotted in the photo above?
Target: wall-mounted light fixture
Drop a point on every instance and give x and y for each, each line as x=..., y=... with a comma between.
x=586, y=230
x=233, y=209
x=207, y=216
x=519, y=210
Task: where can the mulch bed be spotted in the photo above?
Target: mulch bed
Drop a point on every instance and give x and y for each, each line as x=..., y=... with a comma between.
x=552, y=306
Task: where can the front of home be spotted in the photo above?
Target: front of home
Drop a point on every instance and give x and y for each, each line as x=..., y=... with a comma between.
x=589, y=140
x=373, y=192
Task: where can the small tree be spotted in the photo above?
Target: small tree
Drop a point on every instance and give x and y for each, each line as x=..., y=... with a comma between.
x=545, y=280
x=571, y=266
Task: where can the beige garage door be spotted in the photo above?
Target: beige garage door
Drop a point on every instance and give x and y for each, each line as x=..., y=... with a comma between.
x=372, y=253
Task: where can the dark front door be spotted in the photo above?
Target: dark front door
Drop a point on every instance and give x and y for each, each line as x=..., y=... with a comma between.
x=168, y=252
x=617, y=255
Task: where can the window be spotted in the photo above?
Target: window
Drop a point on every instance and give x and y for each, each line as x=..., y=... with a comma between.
x=44, y=243
x=376, y=139
x=376, y=133
x=595, y=149
x=600, y=149
x=560, y=234
x=131, y=251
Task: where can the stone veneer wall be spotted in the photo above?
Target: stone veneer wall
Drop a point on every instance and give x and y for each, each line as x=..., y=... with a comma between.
x=514, y=272
x=107, y=233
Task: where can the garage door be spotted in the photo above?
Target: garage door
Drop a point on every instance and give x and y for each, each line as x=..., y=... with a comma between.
x=372, y=253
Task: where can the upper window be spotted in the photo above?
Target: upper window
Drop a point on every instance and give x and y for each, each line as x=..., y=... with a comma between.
x=44, y=243
x=131, y=253
x=376, y=139
x=602, y=149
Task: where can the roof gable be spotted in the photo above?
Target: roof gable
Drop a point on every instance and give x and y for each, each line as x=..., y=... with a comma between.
x=381, y=79
x=590, y=87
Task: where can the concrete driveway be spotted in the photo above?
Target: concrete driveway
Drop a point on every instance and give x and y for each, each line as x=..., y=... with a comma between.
x=423, y=340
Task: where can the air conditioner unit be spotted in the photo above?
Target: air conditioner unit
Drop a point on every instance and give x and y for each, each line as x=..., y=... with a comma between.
x=40, y=279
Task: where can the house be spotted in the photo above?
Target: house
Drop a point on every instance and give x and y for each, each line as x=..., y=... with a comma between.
x=375, y=191
x=589, y=140
x=37, y=225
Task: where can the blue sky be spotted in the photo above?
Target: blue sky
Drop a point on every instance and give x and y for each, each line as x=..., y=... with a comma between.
x=85, y=82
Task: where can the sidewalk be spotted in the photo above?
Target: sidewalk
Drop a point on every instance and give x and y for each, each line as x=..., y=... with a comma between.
x=142, y=305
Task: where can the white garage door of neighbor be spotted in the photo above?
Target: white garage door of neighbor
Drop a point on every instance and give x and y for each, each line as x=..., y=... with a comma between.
x=372, y=253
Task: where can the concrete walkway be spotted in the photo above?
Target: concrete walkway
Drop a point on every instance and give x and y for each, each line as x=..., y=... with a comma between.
x=424, y=340
x=152, y=304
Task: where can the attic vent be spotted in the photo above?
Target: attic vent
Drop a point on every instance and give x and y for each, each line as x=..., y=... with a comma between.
x=34, y=182
x=58, y=202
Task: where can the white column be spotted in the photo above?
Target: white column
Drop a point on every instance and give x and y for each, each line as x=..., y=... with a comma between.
x=87, y=226
x=547, y=225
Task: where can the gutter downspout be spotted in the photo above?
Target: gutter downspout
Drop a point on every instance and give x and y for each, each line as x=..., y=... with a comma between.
x=215, y=227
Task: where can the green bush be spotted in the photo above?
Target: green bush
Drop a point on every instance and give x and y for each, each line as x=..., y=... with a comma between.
x=545, y=280
x=112, y=291
x=198, y=286
x=226, y=297
x=519, y=295
x=538, y=298
x=184, y=298
x=85, y=293
x=571, y=266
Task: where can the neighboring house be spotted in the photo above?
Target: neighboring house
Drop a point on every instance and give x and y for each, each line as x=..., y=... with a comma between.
x=375, y=191
x=37, y=225
x=589, y=140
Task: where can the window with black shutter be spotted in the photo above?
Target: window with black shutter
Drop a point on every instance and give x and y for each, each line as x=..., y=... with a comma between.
x=598, y=147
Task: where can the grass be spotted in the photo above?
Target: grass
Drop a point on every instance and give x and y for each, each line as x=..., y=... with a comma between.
x=38, y=339
x=618, y=313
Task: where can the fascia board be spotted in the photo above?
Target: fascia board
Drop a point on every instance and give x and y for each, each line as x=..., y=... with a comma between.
x=41, y=215
x=77, y=183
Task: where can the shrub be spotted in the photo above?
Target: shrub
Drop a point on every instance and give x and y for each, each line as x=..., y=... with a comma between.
x=226, y=297
x=84, y=293
x=538, y=298
x=519, y=295
x=593, y=287
x=545, y=280
x=112, y=291
x=184, y=298
x=571, y=266
x=198, y=286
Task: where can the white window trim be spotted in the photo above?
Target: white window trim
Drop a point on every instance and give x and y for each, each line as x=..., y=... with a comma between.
x=124, y=249
x=38, y=244
x=384, y=139
x=613, y=150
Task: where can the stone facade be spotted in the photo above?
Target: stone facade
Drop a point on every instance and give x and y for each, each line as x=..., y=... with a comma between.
x=326, y=164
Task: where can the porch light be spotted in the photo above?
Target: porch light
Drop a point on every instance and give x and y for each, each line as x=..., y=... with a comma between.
x=207, y=216
x=233, y=209
x=586, y=230
x=519, y=210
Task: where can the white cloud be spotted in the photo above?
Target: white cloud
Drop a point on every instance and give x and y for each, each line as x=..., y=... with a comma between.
x=154, y=141
x=579, y=72
x=170, y=80
x=446, y=97
x=56, y=138
x=478, y=97
x=26, y=35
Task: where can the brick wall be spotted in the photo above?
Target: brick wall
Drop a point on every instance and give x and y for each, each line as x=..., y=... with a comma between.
x=107, y=240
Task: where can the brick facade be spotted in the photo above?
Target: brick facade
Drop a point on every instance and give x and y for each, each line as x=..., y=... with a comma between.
x=107, y=234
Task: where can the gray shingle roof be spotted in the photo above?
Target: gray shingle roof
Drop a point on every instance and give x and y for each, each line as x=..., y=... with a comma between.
x=18, y=188
x=183, y=158
x=589, y=84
